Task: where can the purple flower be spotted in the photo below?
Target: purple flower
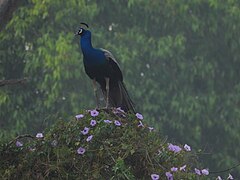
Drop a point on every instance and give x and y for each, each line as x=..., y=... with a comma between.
x=219, y=178
x=108, y=121
x=230, y=176
x=85, y=131
x=139, y=116
x=93, y=122
x=120, y=109
x=169, y=176
x=19, y=144
x=174, y=169
x=81, y=150
x=154, y=176
x=94, y=113
x=79, y=116
x=197, y=171
x=39, y=135
x=140, y=124
x=150, y=129
x=205, y=172
x=117, y=123
x=187, y=147
x=174, y=148
x=183, y=168
x=89, y=138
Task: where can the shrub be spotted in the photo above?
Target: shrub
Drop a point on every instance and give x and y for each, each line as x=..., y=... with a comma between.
x=104, y=144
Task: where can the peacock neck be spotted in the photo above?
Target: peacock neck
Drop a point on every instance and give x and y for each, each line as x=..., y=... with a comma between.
x=92, y=56
x=86, y=45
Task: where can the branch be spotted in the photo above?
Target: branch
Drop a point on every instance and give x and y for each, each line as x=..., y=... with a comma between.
x=12, y=81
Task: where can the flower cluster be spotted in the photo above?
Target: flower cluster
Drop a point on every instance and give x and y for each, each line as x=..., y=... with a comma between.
x=170, y=174
x=95, y=113
x=85, y=131
x=171, y=147
x=172, y=155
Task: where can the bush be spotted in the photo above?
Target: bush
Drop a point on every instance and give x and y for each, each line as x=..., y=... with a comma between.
x=108, y=144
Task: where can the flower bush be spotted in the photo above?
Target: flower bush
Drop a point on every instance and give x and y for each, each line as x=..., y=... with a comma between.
x=115, y=145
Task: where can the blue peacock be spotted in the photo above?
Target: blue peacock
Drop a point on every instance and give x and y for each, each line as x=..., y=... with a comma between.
x=101, y=66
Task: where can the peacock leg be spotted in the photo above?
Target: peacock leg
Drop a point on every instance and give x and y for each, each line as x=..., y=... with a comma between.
x=95, y=92
x=107, y=90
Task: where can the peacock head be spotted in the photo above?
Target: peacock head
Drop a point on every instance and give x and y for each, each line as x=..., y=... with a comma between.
x=81, y=30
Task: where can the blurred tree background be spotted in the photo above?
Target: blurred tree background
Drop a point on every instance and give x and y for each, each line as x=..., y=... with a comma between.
x=180, y=61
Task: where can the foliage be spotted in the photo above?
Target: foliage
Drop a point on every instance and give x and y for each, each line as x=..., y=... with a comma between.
x=42, y=53
x=118, y=150
x=180, y=61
